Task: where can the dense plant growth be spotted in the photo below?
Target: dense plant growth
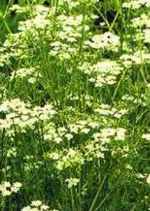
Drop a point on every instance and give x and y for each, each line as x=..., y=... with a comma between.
x=75, y=105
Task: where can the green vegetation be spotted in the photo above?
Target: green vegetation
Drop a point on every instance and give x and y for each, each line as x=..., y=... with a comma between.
x=75, y=105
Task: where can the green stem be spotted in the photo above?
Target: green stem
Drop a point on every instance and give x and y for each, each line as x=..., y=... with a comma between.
x=97, y=194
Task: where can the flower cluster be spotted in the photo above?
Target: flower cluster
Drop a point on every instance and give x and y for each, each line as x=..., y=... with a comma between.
x=107, y=110
x=6, y=188
x=136, y=4
x=146, y=136
x=39, y=20
x=107, y=40
x=31, y=74
x=75, y=105
x=137, y=58
x=37, y=206
x=72, y=182
x=17, y=113
x=103, y=73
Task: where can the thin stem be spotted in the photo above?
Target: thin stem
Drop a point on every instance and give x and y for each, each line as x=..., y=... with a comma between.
x=97, y=194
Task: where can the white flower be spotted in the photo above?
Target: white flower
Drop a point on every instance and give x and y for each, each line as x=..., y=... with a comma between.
x=146, y=136
x=35, y=209
x=146, y=35
x=36, y=206
x=4, y=108
x=69, y=136
x=27, y=208
x=44, y=207
x=16, y=187
x=85, y=130
x=36, y=203
x=121, y=132
x=136, y=4
x=7, y=189
x=108, y=132
x=106, y=40
x=148, y=179
x=72, y=182
x=132, y=5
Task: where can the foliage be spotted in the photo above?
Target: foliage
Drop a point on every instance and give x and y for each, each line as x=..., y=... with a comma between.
x=74, y=105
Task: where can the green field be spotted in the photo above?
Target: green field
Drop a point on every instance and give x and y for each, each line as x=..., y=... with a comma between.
x=75, y=105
